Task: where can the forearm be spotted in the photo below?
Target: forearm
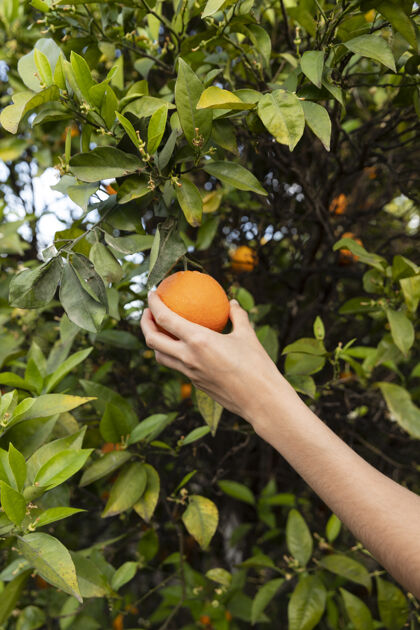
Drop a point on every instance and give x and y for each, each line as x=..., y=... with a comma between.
x=383, y=515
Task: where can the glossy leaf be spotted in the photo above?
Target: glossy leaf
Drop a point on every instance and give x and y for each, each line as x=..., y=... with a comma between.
x=237, y=490
x=307, y=603
x=188, y=89
x=51, y=515
x=401, y=407
x=210, y=410
x=147, y=504
x=264, y=596
x=124, y=574
x=51, y=560
x=132, y=244
x=104, y=163
x=318, y=120
x=347, y=568
x=104, y=466
x=312, y=64
x=156, y=129
x=374, y=47
x=357, y=611
x=127, y=489
x=392, y=604
x=61, y=467
x=13, y=503
x=24, y=102
x=201, y=519
x=69, y=364
x=216, y=98
x=189, y=199
x=332, y=528
x=298, y=538
x=115, y=425
x=402, y=330
x=235, y=175
x=283, y=116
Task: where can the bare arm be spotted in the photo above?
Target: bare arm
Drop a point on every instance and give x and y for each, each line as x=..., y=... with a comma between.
x=236, y=371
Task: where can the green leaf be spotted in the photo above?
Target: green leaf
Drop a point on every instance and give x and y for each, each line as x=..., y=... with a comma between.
x=92, y=582
x=188, y=89
x=10, y=596
x=171, y=249
x=357, y=611
x=105, y=263
x=47, y=451
x=364, y=256
x=312, y=64
x=189, y=199
x=35, y=288
x=51, y=515
x=402, y=330
x=81, y=308
x=13, y=503
x=105, y=395
x=195, y=434
x=167, y=151
x=132, y=244
x=212, y=7
x=17, y=466
x=82, y=74
x=104, y=163
x=24, y=102
x=124, y=574
x=46, y=405
x=298, y=363
x=401, y=407
x=146, y=106
x=128, y=128
x=104, y=466
x=210, y=410
x=127, y=489
x=61, y=467
x=51, y=560
x=215, y=98
x=269, y=340
x=332, y=528
x=43, y=67
x=237, y=490
x=33, y=74
x=283, y=116
x=263, y=597
x=147, y=504
x=319, y=329
x=221, y=576
x=411, y=291
x=109, y=107
x=69, y=364
x=373, y=47
x=261, y=40
x=235, y=175
x=306, y=345
x=259, y=560
x=115, y=425
x=207, y=233
x=31, y=617
x=347, y=568
x=307, y=603
x=398, y=19
x=298, y=538
x=156, y=129
x=318, y=120
x=149, y=428
x=392, y=604
x=201, y=519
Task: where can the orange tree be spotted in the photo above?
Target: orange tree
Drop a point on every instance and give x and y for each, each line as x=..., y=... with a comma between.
x=181, y=130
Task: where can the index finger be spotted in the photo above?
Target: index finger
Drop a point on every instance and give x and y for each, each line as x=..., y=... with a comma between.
x=173, y=323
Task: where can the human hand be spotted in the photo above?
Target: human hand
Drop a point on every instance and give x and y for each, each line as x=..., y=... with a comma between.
x=234, y=369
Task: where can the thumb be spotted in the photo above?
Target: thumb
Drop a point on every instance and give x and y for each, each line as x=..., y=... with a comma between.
x=238, y=316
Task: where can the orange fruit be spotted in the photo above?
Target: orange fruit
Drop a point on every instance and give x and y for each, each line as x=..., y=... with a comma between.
x=110, y=190
x=185, y=390
x=371, y=172
x=339, y=204
x=243, y=258
x=118, y=623
x=74, y=131
x=228, y=616
x=197, y=297
x=346, y=256
x=205, y=620
x=110, y=446
x=370, y=16
x=41, y=583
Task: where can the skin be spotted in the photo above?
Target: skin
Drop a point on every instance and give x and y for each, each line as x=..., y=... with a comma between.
x=383, y=515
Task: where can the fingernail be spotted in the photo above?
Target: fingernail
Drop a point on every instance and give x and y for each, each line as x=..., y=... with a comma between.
x=235, y=302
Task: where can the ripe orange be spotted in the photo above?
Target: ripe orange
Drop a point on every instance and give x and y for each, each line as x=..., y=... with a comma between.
x=205, y=620
x=185, y=390
x=243, y=258
x=118, y=623
x=346, y=256
x=197, y=297
x=339, y=204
